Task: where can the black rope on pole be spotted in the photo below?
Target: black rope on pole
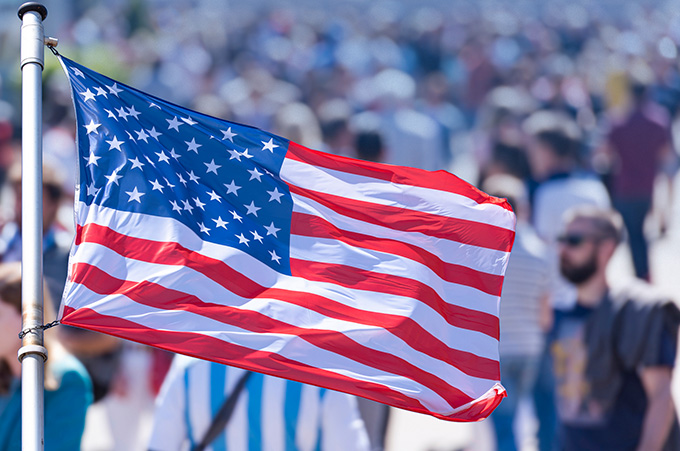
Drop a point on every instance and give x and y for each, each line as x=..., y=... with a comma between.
x=53, y=48
x=30, y=330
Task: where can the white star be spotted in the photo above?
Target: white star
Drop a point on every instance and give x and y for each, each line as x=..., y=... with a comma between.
x=87, y=95
x=132, y=112
x=115, y=144
x=92, y=127
x=271, y=230
x=212, y=167
x=174, y=123
x=153, y=105
x=234, y=154
x=193, y=177
x=132, y=138
x=187, y=206
x=199, y=204
x=135, y=163
x=157, y=186
x=256, y=236
x=203, y=228
x=92, y=191
x=228, y=134
x=242, y=239
x=101, y=92
x=113, y=178
x=246, y=154
x=220, y=223
x=181, y=179
x=142, y=135
x=232, y=188
x=92, y=159
x=134, y=195
x=163, y=157
x=269, y=145
x=236, y=216
x=113, y=89
x=122, y=113
x=111, y=115
x=175, y=207
x=214, y=196
x=193, y=145
x=275, y=257
x=78, y=72
x=189, y=121
x=252, y=209
x=173, y=154
x=275, y=195
x=153, y=133
x=168, y=184
x=255, y=174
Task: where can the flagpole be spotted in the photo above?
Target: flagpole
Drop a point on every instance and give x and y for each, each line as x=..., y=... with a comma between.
x=32, y=353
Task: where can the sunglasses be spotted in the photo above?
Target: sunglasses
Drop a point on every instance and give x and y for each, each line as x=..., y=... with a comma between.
x=575, y=239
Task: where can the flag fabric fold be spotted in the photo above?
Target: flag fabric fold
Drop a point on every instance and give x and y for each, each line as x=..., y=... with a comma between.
x=229, y=243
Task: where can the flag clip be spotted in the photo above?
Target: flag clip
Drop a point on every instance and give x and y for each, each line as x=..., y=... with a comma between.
x=25, y=332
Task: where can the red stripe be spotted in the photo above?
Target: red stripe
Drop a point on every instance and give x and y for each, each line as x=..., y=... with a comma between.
x=402, y=327
x=438, y=226
x=360, y=279
x=154, y=295
x=216, y=350
x=317, y=227
x=171, y=253
x=439, y=180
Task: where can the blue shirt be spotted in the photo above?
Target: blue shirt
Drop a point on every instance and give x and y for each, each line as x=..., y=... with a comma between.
x=271, y=413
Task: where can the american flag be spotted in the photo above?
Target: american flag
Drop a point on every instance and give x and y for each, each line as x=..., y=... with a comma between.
x=228, y=243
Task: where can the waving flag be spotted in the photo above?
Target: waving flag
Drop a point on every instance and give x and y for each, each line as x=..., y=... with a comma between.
x=231, y=244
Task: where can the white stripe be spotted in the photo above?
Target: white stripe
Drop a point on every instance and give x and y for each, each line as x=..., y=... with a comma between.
x=237, y=428
x=187, y=280
x=289, y=346
x=273, y=414
x=372, y=337
x=475, y=257
x=200, y=414
x=367, y=189
x=307, y=427
x=164, y=229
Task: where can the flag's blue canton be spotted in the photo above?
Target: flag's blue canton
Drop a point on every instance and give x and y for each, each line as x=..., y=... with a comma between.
x=145, y=155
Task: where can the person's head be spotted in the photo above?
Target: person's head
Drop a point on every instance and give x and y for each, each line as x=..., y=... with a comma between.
x=369, y=145
x=512, y=189
x=554, y=142
x=588, y=242
x=53, y=193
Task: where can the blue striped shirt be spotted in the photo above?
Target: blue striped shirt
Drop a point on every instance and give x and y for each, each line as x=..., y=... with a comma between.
x=271, y=413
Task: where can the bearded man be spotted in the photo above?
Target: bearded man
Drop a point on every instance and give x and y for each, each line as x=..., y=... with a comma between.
x=613, y=352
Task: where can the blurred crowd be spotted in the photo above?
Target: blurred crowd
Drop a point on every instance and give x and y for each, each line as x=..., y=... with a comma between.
x=551, y=104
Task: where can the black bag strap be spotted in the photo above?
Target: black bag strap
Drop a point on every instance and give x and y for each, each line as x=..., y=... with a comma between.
x=221, y=419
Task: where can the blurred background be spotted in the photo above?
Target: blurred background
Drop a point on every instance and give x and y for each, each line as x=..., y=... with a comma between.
x=443, y=84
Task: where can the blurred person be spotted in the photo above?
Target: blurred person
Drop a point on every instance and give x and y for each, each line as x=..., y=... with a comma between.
x=554, y=141
x=298, y=123
x=68, y=390
x=637, y=145
x=99, y=353
x=412, y=138
x=614, y=350
x=369, y=147
x=524, y=309
x=334, y=118
x=269, y=412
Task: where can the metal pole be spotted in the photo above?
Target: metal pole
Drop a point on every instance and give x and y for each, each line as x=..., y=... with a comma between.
x=32, y=353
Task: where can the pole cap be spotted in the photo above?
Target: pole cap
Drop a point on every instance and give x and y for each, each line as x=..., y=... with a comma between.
x=32, y=6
